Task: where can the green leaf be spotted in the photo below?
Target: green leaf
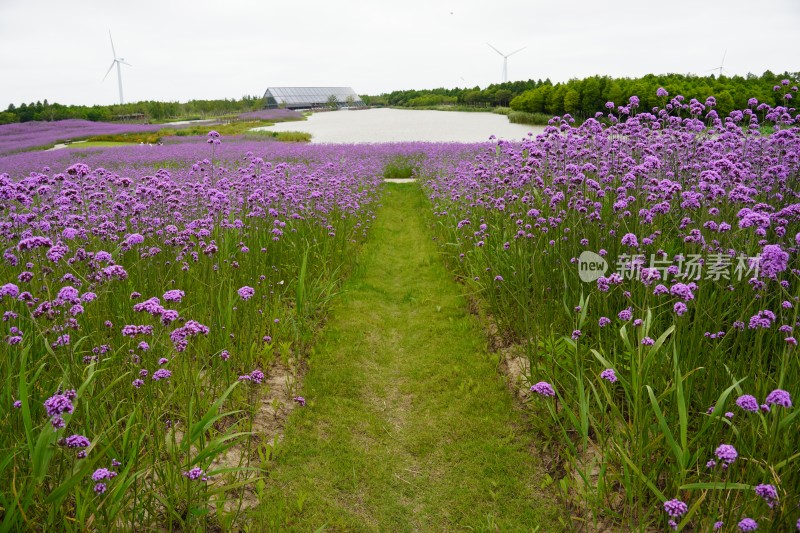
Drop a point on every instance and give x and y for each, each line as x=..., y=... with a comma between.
x=715, y=485
x=641, y=475
x=662, y=422
x=683, y=416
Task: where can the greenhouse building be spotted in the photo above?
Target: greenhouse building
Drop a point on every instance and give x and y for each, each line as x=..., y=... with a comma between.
x=311, y=97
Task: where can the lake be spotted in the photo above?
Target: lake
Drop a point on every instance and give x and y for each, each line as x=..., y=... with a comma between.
x=402, y=125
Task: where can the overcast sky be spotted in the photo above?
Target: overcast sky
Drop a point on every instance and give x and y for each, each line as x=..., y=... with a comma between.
x=180, y=50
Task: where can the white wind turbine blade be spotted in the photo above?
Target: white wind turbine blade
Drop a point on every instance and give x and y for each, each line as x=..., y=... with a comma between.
x=496, y=50
x=122, y=60
x=109, y=70
x=515, y=51
x=112, y=44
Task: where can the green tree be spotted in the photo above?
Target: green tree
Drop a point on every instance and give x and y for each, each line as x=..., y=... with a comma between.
x=333, y=102
x=592, y=95
x=7, y=117
x=555, y=100
x=725, y=104
x=572, y=102
x=503, y=96
x=472, y=97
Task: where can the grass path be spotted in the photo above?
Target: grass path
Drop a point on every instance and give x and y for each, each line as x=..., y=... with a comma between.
x=408, y=426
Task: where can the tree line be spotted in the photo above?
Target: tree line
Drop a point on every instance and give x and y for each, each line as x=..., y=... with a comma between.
x=148, y=110
x=582, y=98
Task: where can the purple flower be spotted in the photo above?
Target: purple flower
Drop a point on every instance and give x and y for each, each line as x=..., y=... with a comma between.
x=748, y=524
x=137, y=383
x=779, y=397
x=103, y=473
x=100, y=488
x=604, y=321
x=245, y=293
x=768, y=493
x=161, y=373
x=726, y=453
x=132, y=240
x=133, y=330
x=17, y=404
x=675, y=508
x=625, y=315
x=762, y=319
x=718, y=525
x=76, y=441
x=58, y=404
x=195, y=474
x=630, y=240
x=68, y=294
x=680, y=308
x=151, y=306
x=773, y=261
x=576, y=334
x=9, y=289
x=609, y=375
x=748, y=403
x=174, y=295
x=682, y=291
x=661, y=92
x=300, y=400
x=647, y=341
x=543, y=388
x=257, y=376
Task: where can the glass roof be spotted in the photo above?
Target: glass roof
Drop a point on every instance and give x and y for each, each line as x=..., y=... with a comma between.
x=310, y=96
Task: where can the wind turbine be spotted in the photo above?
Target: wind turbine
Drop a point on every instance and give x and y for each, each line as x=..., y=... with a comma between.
x=505, y=59
x=720, y=67
x=117, y=61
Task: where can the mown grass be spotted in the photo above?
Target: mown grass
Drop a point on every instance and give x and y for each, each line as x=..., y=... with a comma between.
x=408, y=425
x=282, y=136
x=230, y=129
x=99, y=144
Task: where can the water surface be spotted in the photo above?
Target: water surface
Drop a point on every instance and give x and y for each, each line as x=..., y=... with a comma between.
x=402, y=125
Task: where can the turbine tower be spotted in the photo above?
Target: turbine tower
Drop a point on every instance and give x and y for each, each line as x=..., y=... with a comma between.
x=117, y=61
x=505, y=59
x=720, y=68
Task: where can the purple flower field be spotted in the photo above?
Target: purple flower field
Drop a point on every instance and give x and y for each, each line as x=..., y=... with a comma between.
x=125, y=287
x=646, y=264
x=29, y=135
x=685, y=227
